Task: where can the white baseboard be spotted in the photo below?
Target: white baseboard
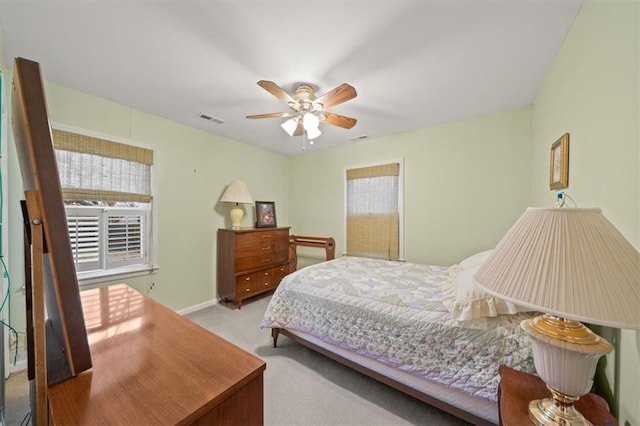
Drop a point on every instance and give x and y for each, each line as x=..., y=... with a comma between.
x=197, y=307
x=19, y=366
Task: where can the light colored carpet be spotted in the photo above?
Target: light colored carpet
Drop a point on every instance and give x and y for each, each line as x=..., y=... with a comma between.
x=16, y=403
x=302, y=387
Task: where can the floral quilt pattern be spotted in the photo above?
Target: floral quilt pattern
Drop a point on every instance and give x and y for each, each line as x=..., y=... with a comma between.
x=392, y=312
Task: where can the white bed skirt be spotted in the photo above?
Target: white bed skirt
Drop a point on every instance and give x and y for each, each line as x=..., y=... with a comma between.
x=479, y=407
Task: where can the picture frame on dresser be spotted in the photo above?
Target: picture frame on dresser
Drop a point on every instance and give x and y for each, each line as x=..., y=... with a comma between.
x=266, y=214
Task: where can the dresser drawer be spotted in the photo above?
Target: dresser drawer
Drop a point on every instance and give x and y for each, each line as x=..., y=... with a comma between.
x=246, y=285
x=247, y=263
x=265, y=280
x=256, y=282
x=279, y=272
x=254, y=250
x=254, y=241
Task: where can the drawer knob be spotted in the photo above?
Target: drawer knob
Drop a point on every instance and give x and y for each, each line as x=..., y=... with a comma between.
x=247, y=290
x=247, y=279
x=266, y=284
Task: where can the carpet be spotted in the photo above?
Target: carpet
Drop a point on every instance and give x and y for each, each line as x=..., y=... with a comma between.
x=302, y=387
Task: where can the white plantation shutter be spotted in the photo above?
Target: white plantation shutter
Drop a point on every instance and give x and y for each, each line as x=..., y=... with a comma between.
x=125, y=238
x=84, y=233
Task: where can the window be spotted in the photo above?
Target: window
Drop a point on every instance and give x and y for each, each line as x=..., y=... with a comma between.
x=106, y=238
x=106, y=187
x=373, y=211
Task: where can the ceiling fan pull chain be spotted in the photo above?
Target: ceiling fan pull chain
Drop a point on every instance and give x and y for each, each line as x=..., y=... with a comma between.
x=304, y=145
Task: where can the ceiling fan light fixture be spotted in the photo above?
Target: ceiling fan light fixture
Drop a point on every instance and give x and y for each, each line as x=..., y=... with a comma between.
x=313, y=133
x=290, y=126
x=310, y=121
x=308, y=110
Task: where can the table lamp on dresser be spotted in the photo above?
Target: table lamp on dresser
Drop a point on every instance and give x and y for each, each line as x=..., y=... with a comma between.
x=573, y=265
x=237, y=192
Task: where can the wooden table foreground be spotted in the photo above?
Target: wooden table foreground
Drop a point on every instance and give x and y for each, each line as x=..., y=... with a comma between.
x=153, y=366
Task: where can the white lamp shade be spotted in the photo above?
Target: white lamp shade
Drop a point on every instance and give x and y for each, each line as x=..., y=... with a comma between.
x=313, y=133
x=310, y=121
x=572, y=263
x=237, y=192
x=290, y=126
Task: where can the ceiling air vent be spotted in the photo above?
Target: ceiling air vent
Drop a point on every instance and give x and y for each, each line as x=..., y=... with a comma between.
x=211, y=118
x=358, y=138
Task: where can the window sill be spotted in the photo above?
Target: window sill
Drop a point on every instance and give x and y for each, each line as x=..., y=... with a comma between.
x=87, y=278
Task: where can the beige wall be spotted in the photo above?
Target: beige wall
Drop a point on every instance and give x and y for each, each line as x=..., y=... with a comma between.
x=592, y=93
x=465, y=185
x=465, y=182
x=192, y=168
x=468, y=181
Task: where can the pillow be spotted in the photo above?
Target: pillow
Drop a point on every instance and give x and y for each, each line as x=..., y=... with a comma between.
x=466, y=301
x=475, y=259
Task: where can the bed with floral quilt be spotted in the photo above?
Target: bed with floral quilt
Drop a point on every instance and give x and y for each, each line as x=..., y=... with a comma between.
x=423, y=329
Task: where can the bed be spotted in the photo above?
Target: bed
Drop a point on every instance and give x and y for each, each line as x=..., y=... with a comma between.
x=423, y=329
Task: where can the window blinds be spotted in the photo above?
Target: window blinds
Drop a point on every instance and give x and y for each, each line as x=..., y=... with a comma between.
x=100, y=170
x=372, y=211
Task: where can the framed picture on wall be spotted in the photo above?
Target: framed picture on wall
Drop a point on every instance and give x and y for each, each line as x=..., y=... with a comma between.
x=559, y=169
x=265, y=214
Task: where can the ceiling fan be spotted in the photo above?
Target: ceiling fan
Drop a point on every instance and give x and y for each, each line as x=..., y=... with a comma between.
x=307, y=110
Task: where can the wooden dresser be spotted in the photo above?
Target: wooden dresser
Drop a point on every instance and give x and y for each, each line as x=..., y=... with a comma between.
x=251, y=261
x=152, y=366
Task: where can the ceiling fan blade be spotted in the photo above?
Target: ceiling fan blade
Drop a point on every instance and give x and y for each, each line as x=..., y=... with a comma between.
x=334, y=97
x=338, y=120
x=275, y=90
x=271, y=115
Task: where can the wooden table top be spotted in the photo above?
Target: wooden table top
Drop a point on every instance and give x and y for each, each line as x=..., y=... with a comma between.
x=517, y=389
x=150, y=365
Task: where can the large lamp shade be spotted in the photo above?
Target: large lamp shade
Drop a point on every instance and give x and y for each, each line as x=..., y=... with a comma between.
x=568, y=262
x=573, y=265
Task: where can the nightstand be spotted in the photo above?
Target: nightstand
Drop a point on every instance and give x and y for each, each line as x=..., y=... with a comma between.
x=517, y=389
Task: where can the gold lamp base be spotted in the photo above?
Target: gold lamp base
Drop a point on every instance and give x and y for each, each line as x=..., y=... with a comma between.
x=565, y=354
x=552, y=411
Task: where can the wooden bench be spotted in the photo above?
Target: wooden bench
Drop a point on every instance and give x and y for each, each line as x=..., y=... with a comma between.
x=295, y=241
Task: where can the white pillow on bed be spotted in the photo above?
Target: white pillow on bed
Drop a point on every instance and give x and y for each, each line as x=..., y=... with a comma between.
x=466, y=301
x=475, y=259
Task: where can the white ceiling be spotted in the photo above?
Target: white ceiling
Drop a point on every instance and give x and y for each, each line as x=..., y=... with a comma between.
x=414, y=63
